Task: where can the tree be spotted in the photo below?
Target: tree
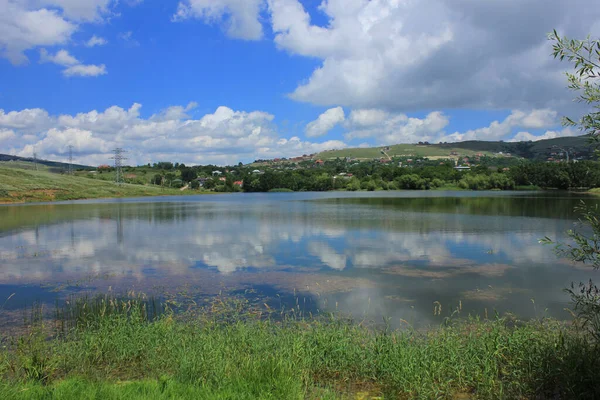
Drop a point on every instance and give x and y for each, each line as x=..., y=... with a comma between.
x=584, y=243
x=585, y=54
x=188, y=174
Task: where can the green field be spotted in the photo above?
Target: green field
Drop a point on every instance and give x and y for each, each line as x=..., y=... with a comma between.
x=20, y=185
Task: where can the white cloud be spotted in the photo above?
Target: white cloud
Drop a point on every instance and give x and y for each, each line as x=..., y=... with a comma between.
x=239, y=18
x=535, y=119
x=23, y=29
x=435, y=54
x=85, y=70
x=29, y=120
x=73, y=66
x=223, y=137
x=6, y=135
x=62, y=57
x=390, y=128
x=96, y=41
x=28, y=24
x=83, y=10
x=526, y=136
x=326, y=122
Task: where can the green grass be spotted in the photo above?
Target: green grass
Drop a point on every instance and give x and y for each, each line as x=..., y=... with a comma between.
x=232, y=354
x=19, y=185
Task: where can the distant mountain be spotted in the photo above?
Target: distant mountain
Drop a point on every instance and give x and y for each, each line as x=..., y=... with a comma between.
x=53, y=165
x=577, y=146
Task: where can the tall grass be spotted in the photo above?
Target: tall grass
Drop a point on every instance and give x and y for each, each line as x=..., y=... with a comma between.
x=122, y=353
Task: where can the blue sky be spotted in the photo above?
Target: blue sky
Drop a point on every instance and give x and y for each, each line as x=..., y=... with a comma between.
x=222, y=81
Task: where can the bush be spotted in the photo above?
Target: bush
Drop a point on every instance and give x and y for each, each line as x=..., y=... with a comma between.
x=411, y=182
x=436, y=183
x=353, y=185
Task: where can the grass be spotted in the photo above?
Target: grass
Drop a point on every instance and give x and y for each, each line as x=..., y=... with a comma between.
x=18, y=186
x=229, y=352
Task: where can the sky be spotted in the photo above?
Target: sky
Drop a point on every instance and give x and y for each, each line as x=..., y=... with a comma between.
x=224, y=81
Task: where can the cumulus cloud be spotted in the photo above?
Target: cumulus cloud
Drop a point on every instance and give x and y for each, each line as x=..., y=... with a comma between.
x=22, y=29
x=225, y=136
x=96, y=41
x=391, y=128
x=83, y=10
x=326, y=122
x=29, y=120
x=526, y=136
x=62, y=57
x=6, y=135
x=73, y=66
x=535, y=119
x=430, y=54
x=29, y=24
x=85, y=70
x=239, y=18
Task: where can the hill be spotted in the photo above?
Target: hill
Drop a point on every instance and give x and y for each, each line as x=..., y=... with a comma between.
x=19, y=185
x=7, y=160
x=577, y=146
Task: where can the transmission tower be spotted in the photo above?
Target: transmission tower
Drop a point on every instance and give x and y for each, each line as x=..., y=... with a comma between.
x=70, y=159
x=35, y=159
x=118, y=157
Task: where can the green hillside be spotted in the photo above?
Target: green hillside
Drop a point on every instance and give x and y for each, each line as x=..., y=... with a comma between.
x=28, y=163
x=577, y=146
x=19, y=185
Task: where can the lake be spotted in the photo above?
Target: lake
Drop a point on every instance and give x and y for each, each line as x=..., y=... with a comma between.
x=401, y=255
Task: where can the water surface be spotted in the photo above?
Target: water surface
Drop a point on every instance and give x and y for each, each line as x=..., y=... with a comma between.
x=392, y=254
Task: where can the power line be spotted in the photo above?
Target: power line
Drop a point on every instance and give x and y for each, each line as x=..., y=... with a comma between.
x=70, y=159
x=118, y=157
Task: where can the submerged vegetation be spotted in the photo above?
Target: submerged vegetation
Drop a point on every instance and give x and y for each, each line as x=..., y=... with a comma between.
x=118, y=349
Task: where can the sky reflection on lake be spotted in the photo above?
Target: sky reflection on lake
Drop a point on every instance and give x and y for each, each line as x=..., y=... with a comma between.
x=374, y=254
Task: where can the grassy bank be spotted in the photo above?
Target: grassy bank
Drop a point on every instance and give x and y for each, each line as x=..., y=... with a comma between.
x=19, y=186
x=120, y=352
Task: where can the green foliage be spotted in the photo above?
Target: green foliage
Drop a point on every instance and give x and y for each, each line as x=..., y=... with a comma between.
x=188, y=174
x=584, y=244
x=411, y=182
x=585, y=55
x=157, y=179
x=224, y=352
x=353, y=185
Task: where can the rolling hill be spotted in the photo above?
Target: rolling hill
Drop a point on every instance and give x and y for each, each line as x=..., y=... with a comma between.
x=577, y=146
x=7, y=160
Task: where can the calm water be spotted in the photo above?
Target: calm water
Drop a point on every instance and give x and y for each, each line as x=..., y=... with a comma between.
x=375, y=254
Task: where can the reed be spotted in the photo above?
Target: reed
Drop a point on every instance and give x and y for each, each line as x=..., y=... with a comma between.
x=136, y=348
